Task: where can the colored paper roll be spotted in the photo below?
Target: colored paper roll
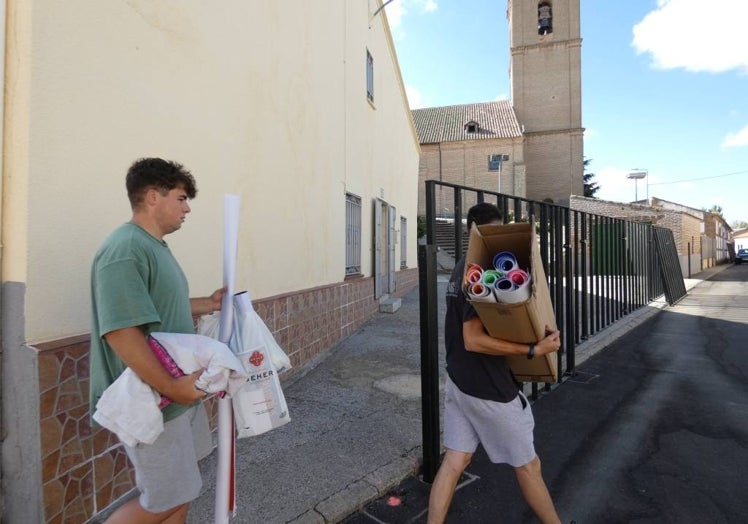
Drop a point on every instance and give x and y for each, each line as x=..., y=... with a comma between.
x=473, y=274
x=505, y=262
x=518, y=276
x=505, y=284
x=478, y=291
x=508, y=292
x=490, y=276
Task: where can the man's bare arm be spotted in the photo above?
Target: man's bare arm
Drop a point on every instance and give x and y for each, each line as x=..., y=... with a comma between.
x=209, y=304
x=131, y=346
x=477, y=340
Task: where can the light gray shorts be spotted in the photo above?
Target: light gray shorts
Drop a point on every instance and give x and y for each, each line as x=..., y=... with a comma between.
x=505, y=429
x=166, y=472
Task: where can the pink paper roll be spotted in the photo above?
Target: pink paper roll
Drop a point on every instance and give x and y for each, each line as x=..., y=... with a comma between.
x=474, y=273
x=518, y=276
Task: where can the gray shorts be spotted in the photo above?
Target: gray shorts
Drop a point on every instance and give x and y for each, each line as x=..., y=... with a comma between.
x=505, y=429
x=166, y=472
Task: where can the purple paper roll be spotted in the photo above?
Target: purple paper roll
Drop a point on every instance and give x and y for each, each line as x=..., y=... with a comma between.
x=505, y=262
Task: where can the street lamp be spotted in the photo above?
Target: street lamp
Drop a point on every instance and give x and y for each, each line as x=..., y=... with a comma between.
x=637, y=175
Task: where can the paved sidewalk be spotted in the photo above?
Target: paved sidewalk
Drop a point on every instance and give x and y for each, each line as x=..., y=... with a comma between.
x=355, y=432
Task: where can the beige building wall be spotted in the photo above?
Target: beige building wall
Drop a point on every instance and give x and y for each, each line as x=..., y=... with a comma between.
x=466, y=163
x=263, y=100
x=270, y=106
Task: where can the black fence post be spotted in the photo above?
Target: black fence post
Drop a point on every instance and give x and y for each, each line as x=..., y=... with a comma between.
x=429, y=360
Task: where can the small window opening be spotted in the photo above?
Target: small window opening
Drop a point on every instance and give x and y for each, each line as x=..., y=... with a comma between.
x=471, y=127
x=545, y=18
x=369, y=76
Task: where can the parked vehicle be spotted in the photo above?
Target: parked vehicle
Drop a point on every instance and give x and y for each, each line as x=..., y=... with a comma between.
x=741, y=256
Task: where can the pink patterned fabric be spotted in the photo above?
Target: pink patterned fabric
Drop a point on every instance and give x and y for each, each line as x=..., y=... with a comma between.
x=168, y=363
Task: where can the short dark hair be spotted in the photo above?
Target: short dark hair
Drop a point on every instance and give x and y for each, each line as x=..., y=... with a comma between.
x=157, y=173
x=483, y=213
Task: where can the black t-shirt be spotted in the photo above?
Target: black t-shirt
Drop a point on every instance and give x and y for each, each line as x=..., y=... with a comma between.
x=476, y=374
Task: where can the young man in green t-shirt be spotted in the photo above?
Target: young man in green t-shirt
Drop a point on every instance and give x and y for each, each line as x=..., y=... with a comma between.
x=138, y=287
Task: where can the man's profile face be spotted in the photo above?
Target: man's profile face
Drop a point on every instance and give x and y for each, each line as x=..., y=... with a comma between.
x=171, y=209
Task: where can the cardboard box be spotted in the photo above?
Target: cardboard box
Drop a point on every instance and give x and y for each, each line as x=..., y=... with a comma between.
x=524, y=322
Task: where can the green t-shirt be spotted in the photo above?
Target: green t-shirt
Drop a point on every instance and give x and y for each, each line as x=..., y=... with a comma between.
x=135, y=281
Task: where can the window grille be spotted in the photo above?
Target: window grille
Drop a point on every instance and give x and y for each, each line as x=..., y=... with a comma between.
x=352, y=234
x=403, y=242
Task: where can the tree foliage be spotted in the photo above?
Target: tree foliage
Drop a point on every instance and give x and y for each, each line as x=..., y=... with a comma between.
x=590, y=186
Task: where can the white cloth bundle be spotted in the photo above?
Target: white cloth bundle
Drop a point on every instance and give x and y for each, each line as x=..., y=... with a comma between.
x=129, y=406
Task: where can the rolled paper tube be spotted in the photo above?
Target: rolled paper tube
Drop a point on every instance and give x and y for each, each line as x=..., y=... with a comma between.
x=490, y=276
x=505, y=262
x=507, y=292
x=478, y=291
x=518, y=276
x=504, y=284
x=474, y=273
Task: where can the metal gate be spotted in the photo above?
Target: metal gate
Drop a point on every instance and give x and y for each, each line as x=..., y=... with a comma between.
x=599, y=270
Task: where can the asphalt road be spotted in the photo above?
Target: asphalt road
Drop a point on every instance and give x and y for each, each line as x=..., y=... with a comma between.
x=652, y=429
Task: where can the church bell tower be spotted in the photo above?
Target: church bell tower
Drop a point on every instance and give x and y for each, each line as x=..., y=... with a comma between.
x=546, y=84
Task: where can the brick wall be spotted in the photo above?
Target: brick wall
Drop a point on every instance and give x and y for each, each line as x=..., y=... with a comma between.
x=466, y=163
x=684, y=226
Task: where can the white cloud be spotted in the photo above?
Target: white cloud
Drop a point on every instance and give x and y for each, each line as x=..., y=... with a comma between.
x=739, y=139
x=395, y=12
x=695, y=36
x=398, y=9
x=429, y=6
x=615, y=185
x=415, y=99
x=502, y=96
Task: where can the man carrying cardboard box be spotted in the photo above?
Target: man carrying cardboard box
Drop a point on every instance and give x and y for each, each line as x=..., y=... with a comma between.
x=483, y=402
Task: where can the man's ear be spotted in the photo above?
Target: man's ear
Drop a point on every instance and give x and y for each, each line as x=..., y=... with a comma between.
x=151, y=196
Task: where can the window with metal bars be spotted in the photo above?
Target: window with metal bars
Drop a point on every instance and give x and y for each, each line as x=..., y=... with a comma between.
x=403, y=242
x=352, y=234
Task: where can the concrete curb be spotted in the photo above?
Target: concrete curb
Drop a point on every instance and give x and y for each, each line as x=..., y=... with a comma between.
x=367, y=489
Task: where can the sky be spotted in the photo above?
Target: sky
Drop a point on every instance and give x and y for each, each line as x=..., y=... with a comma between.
x=664, y=88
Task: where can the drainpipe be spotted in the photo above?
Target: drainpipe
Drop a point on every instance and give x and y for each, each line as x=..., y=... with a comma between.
x=2, y=198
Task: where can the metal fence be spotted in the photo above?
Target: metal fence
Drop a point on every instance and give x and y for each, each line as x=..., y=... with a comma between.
x=599, y=270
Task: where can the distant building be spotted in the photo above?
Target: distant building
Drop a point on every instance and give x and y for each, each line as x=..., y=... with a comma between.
x=740, y=237
x=530, y=146
x=701, y=238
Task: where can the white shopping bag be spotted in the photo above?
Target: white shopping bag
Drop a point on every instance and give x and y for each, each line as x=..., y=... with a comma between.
x=249, y=332
x=259, y=406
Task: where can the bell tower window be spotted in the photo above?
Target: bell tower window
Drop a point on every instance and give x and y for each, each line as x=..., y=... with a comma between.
x=545, y=18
